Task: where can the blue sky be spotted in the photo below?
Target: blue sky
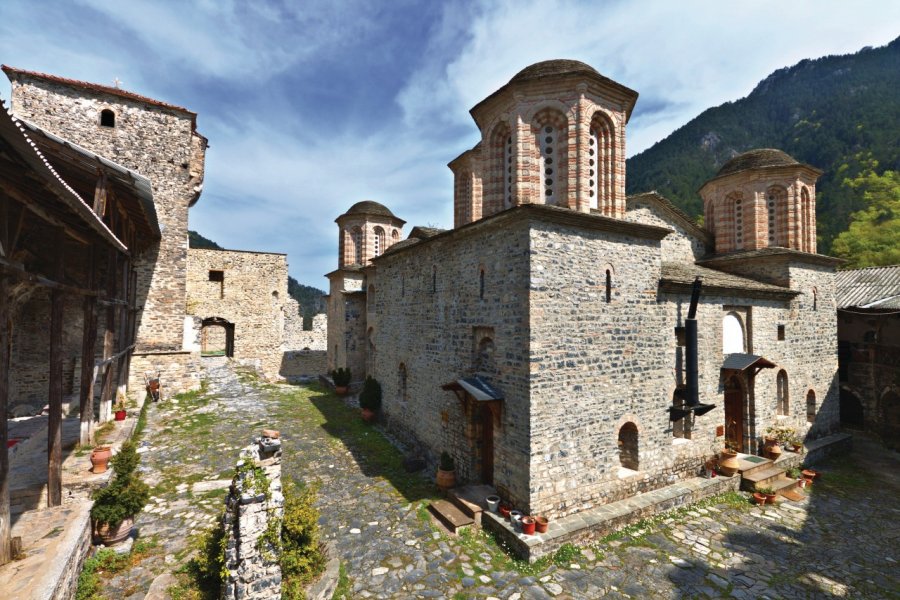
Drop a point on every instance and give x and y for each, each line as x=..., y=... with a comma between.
x=312, y=106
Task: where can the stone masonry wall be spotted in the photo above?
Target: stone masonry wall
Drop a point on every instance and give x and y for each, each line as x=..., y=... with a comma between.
x=252, y=295
x=161, y=144
x=429, y=315
x=250, y=512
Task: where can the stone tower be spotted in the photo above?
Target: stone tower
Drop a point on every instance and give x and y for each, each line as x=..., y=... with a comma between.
x=760, y=199
x=365, y=231
x=161, y=142
x=555, y=134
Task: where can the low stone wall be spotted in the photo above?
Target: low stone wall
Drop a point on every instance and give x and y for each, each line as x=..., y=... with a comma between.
x=252, y=515
x=299, y=364
x=179, y=371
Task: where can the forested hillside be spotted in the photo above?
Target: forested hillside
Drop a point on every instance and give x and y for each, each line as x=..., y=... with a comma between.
x=838, y=113
x=309, y=298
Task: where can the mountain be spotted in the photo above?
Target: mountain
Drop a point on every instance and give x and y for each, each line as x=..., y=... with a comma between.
x=309, y=298
x=840, y=114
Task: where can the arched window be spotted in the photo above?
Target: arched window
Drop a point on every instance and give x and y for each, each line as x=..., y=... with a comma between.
x=107, y=118
x=781, y=394
x=736, y=201
x=732, y=334
x=810, y=406
x=776, y=207
x=608, y=286
x=601, y=164
x=395, y=237
x=815, y=295
x=356, y=249
x=379, y=241
x=481, y=283
x=498, y=193
x=509, y=169
x=401, y=375
x=551, y=139
x=628, y=446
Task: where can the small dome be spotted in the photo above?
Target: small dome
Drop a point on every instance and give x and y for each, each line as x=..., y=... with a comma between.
x=548, y=68
x=754, y=159
x=370, y=207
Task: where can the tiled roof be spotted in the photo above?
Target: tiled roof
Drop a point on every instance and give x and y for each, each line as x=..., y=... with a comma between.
x=682, y=275
x=754, y=159
x=673, y=210
x=874, y=287
x=771, y=252
x=423, y=233
x=547, y=68
x=10, y=71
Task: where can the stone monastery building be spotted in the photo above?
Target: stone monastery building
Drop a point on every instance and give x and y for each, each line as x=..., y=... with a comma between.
x=541, y=341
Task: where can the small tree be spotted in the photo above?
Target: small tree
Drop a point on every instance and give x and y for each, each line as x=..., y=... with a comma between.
x=370, y=397
x=126, y=494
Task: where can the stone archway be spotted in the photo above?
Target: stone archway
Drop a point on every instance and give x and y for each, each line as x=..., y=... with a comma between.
x=852, y=412
x=216, y=337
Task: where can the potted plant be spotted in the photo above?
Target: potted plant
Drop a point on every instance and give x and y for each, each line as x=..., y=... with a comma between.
x=116, y=504
x=769, y=493
x=119, y=408
x=493, y=502
x=728, y=464
x=100, y=458
x=759, y=498
x=341, y=378
x=370, y=399
x=541, y=523
x=528, y=525
x=446, y=475
x=796, y=444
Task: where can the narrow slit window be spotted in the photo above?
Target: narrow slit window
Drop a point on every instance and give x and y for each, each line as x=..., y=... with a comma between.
x=481, y=284
x=608, y=286
x=781, y=333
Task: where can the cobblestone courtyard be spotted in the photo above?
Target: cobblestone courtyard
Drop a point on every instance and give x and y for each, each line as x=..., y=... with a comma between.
x=841, y=541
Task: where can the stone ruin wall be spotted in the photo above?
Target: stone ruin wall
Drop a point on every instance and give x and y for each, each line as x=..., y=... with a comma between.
x=304, y=351
x=251, y=560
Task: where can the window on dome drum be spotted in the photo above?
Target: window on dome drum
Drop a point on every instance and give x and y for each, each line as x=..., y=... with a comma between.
x=379, y=241
x=781, y=394
x=356, y=239
x=775, y=203
x=107, y=118
x=601, y=162
x=508, y=172
x=548, y=174
x=593, y=148
x=738, y=222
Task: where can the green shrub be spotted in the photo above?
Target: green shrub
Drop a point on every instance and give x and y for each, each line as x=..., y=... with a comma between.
x=341, y=377
x=126, y=494
x=370, y=396
x=302, y=558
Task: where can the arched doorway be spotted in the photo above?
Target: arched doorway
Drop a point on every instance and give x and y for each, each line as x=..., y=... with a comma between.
x=734, y=413
x=628, y=446
x=852, y=415
x=216, y=337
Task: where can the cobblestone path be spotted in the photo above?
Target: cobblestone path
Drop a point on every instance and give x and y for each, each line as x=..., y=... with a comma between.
x=841, y=541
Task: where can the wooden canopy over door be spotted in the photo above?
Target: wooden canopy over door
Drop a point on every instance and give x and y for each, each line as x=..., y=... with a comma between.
x=482, y=406
x=739, y=372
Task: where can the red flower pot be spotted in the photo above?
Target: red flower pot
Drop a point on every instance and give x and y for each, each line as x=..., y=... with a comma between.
x=759, y=498
x=770, y=498
x=504, y=510
x=367, y=415
x=528, y=525
x=540, y=524
x=120, y=415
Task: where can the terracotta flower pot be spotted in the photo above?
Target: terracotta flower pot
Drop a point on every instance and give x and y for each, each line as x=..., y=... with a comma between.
x=504, y=510
x=808, y=482
x=528, y=525
x=811, y=474
x=446, y=479
x=759, y=498
x=340, y=390
x=120, y=415
x=728, y=464
x=540, y=524
x=368, y=415
x=100, y=458
x=113, y=535
x=770, y=498
x=774, y=452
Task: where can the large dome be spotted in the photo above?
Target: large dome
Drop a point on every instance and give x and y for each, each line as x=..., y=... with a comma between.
x=370, y=207
x=548, y=68
x=754, y=159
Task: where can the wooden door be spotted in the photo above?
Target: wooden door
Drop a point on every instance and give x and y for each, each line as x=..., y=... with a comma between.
x=487, y=446
x=734, y=413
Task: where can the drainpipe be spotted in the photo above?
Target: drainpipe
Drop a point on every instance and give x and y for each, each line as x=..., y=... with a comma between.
x=692, y=401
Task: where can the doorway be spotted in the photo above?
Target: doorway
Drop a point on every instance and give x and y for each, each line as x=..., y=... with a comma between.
x=217, y=337
x=487, y=446
x=734, y=413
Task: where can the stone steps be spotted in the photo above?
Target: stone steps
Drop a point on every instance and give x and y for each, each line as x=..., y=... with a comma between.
x=470, y=499
x=450, y=515
x=760, y=478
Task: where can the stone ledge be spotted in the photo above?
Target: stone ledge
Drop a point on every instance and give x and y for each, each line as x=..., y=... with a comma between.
x=598, y=522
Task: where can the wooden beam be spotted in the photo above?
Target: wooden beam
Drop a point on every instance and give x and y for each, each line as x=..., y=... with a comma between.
x=54, y=424
x=88, y=340
x=43, y=214
x=18, y=271
x=109, y=337
x=5, y=340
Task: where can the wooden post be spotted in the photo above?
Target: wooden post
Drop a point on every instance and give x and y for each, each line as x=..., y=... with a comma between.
x=54, y=424
x=4, y=400
x=109, y=337
x=88, y=340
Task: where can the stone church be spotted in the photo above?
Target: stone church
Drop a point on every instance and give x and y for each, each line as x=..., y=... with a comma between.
x=545, y=341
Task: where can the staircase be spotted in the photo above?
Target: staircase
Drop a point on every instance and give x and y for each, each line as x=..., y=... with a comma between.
x=462, y=508
x=757, y=472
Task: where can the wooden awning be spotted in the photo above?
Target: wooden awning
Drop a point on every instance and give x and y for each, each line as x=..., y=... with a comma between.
x=740, y=362
x=474, y=391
